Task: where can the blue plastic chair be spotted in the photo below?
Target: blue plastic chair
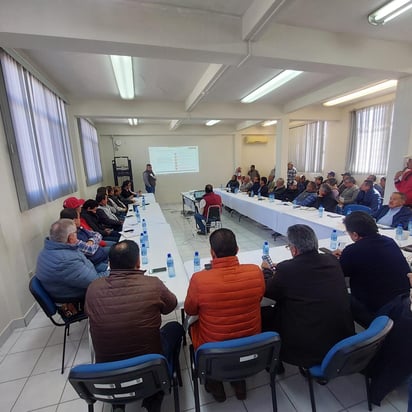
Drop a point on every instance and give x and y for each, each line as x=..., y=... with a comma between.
x=121, y=382
x=350, y=355
x=234, y=360
x=50, y=308
x=356, y=208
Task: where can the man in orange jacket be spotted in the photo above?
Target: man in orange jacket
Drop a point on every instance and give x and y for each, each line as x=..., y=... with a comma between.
x=226, y=299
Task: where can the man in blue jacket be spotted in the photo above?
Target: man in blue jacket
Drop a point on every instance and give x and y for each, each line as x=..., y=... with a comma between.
x=394, y=213
x=62, y=269
x=368, y=196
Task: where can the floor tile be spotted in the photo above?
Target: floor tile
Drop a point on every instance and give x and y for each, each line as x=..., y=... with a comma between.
x=41, y=391
x=39, y=320
x=83, y=353
x=297, y=390
x=76, y=333
x=9, y=392
x=32, y=339
x=399, y=397
x=18, y=365
x=77, y=405
x=10, y=342
x=385, y=407
x=51, y=357
x=47, y=409
x=350, y=390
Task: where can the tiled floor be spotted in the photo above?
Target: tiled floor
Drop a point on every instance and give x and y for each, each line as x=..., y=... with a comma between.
x=30, y=378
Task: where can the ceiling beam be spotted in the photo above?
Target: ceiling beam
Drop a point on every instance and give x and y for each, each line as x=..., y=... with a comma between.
x=204, y=85
x=257, y=16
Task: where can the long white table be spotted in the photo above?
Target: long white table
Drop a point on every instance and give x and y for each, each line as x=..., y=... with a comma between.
x=161, y=242
x=278, y=215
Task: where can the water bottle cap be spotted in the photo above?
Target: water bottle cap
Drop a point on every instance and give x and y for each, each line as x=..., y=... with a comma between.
x=196, y=253
x=144, y=231
x=169, y=255
x=143, y=245
x=334, y=230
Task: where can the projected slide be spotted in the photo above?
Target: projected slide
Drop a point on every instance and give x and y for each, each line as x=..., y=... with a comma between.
x=181, y=159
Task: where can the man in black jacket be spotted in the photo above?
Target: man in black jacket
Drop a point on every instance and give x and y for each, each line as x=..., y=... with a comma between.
x=312, y=310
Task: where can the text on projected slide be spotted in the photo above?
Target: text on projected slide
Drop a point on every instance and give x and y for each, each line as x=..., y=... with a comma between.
x=180, y=159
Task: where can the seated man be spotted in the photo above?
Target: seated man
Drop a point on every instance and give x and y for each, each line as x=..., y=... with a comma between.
x=308, y=197
x=375, y=265
x=227, y=300
x=291, y=192
x=263, y=189
x=394, y=213
x=125, y=311
x=280, y=189
x=89, y=216
x=312, y=310
x=368, y=196
x=105, y=216
x=120, y=209
x=271, y=184
x=246, y=184
x=326, y=199
x=62, y=269
x=255, y=186
x=209, y=199
x=349, y=193
x=233, y=184
x=88, y=242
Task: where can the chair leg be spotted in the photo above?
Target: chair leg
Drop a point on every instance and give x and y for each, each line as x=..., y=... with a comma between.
x=182, y=314
x=368, y=392
x=311, y=392
x=176, y=394
x=118, y=408
x=273, y=390
x=66, y=330
x=91, y=407
x=195, y=379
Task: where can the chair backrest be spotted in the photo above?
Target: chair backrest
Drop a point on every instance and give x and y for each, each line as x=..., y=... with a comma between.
x=121, y=382
x=213, y=213
x=237, y=359
x=353, y=354
x=42, y=297
x=356, y=208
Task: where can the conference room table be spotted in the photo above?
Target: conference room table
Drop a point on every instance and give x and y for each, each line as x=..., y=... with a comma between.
x=279, y=215
x=161, y=242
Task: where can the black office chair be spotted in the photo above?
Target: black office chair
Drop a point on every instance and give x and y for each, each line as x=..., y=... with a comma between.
x=213, y=217
x=121, y=382
x=350, y=355
x=234, y=360
x=50, y=308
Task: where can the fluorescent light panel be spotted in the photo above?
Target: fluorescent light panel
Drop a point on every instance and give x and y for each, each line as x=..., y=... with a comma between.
x=389, y=11
x=361, y=93
x=267, y=123
x=123, y=72
x=212, y=122
x=133, y=122
x=273, y=84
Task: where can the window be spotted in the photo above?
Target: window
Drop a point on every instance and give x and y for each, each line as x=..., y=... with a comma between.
x=370, y=137
x=307, y=146
x=37, y=134
x=90, y=149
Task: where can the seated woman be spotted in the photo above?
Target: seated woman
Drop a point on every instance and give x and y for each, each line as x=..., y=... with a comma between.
x=326, y=199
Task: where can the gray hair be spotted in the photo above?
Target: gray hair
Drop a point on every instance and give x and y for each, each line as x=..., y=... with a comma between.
x=303, y=238
x=60, y=230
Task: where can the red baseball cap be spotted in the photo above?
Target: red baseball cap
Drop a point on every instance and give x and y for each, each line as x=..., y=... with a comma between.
x=73, y=202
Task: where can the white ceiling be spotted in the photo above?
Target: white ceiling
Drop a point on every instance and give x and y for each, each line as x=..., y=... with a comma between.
x=179, y=45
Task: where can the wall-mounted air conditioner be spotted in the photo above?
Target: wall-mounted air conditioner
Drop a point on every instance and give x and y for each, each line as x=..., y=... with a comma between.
x=256, y=139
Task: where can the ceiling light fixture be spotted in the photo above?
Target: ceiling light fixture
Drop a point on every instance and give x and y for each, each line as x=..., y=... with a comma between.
x=267, y=123
x=276, y=82
x=389, y=11
x=133, y=122
x=123, y=72
x=361, y=93
x=212, y=122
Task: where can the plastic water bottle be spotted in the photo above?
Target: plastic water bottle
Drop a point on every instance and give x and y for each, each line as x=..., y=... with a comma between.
x=321, y=210
x=146, y=238
x=265, y=248
x=143, y=251
x=136, y=211
x=144, y=224
x=349, y=212
x=410, y=227
x=142, y=240
x=196, y=262
x=271, y=197
x=170, y=266
x=334, y=240
x=399, y=232
x=143, y=203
